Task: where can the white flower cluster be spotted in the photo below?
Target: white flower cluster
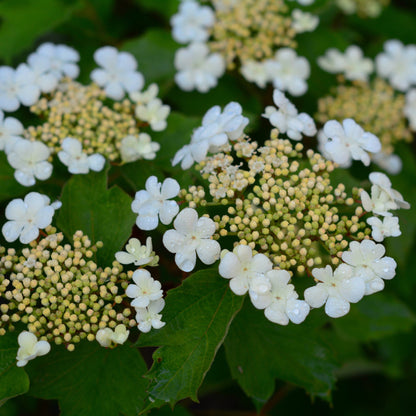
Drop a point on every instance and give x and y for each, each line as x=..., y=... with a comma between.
x=345, y=142
x=352, y=64
x=287, y=71
x=217, y=128
x=286, y=118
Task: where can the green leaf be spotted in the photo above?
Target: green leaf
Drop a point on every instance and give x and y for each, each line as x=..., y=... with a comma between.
x=165, y=7
x=155, y=52
x=198, y=315
x=9, y=186
x=13, y=380
x=376, y=317
x=103, y=214
x=92, y=380
x=259, y=352
x=23, y=21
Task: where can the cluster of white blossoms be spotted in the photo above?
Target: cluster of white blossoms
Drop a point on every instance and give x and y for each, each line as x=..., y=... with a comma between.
x=217, y=128
x=357, y=266
x=396, y=65
x=287, y=120
x=49, y=72
x=215, y=37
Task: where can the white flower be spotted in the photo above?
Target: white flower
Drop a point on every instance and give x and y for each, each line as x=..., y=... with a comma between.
x=103, y=337
x=155, y=202
x=349, y=141
x=55, y=61
x=27, y=216
x=197, y=68
x=192, y=236
x=391, y=163
x=256, y=72
x=217, y=128
x=30, y=348
x=10, y=131
x=137, y=253
x=145, y=289
x=242, y=267
x=410, y=108
x=383, y=197
x=133, y=148
x=30, y=159
x=144, y=97
x=72, y=156
x=106, y=336
x=118, y=73
x=397, y=64
x=281, y=302
x=155, y=113
x=190, y=24
x=389, y=227
x=17, y=87
x=286, y=118
x=288, y=71
x=304, y=22
x=352, y=63
x=369, y=264
x=304, y=2
x=336, y=290
x=148, y=318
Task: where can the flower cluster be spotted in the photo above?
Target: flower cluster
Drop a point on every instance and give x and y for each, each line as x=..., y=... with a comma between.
x=83, y=124
x=378, y=104
x=258, y=36
x=282, y=215
x=363, y=8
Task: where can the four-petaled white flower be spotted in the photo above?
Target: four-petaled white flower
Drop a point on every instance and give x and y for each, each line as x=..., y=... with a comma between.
x=281, y=302
x=55, y=60
x=192, y=236
x=11, y=130
x=217, y=128
x=288, y=71
x=106, y=336
x=303, y=21
x=388, y=227
x=349, y=142
x=383, y=197
x=118, y=74
x=72, y=156
x=138, y=254
x=286, y=118
x=145, y=290
x=397, y=64
x=190, y=24
x=242, y=267
x=335, y=289
x=133, y=148
x=27, y=216
x=197, y=68
x=30, y=159
x=144, y=97
x=30, y=348
x=17, y=87
x=155, y=113
x=154, y=203
x=148, y=318
x=351, y=63
x=369, y=264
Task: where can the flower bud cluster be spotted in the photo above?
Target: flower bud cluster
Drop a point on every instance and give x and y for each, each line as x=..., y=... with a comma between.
x=58, y=291
x=81, y=111
x=281, y=205
x=374, y=105
x=251, y=30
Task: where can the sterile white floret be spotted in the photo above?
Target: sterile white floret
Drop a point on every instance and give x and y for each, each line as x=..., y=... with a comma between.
x=303, y=21
x=133, y=148
x=148, y=318
x=192, y=236
x=11, y=131
x=144, y=290
x=386, y=227
x=30, y=348
x=155, y=113
x=137, y=253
